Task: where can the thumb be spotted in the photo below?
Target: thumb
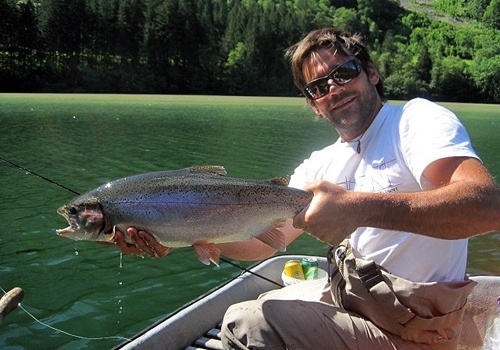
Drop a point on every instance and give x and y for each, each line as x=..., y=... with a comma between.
x=299, y=221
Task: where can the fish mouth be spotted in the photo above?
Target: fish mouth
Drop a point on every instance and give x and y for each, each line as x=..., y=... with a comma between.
x=72, y=225
x=65, y=231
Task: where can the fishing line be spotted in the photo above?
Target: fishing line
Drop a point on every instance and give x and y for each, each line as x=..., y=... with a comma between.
x=77, y=193
x=64, y=332
x=251, y=272
x=38, y=175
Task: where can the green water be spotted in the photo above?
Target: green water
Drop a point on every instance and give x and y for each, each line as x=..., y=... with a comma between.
x=83, y=141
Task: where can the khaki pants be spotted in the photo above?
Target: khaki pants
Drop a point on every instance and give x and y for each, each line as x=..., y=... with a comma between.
x=302, y=316
x=363, y=307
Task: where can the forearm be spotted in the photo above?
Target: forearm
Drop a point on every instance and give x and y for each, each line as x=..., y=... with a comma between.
x=246, y=251
x=255, y=249
x=455, y=211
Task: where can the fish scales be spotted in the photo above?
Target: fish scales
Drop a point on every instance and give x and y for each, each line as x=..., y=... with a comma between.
x=187, y=207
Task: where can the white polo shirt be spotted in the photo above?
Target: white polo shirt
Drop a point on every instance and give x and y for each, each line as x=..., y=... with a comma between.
x=394, y=151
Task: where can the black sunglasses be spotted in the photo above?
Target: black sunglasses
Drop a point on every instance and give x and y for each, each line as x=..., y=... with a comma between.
x=341, y=75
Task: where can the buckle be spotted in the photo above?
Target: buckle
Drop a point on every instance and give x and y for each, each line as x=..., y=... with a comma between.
x=370, y=275
x=340, y=253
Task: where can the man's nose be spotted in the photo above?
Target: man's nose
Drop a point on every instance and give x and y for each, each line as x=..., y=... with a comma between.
x=332, y=87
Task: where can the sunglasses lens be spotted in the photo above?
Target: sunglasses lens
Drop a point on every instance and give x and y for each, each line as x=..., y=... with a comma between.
x=340, y=76
x=318, y=89
x=345, y=73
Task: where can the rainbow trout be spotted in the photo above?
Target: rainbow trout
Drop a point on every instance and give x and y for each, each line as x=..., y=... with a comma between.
x=196, y=206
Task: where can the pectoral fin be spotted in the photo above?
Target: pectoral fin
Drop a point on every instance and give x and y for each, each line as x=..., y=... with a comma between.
x=274, y=238
x=207, y=252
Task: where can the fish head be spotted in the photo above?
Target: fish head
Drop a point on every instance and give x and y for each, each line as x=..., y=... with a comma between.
x=86, y=220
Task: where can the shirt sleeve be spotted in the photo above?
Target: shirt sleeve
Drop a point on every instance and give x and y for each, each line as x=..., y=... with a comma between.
x=299, y=178
x=430, y=132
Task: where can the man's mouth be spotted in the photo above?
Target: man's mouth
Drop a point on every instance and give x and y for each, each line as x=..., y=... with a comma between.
x=342, y=103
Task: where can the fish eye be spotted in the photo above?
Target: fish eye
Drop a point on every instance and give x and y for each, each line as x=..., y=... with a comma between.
x=72, y=210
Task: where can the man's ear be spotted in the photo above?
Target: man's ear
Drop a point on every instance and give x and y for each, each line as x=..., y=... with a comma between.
x=372, y=73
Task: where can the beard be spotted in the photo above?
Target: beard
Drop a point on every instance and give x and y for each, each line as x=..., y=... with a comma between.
x=351, y=113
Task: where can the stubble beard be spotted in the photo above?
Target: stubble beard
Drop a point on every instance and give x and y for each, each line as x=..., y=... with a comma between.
x=355, y=119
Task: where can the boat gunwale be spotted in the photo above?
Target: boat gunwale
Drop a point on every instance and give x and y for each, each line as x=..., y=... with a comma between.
x=265, y=268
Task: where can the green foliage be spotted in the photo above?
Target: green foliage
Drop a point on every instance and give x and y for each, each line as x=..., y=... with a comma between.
x=453, y=7
x=474, y=9
x=347, y=18
x=237, y=46
x=491, y=16
x=485, y=11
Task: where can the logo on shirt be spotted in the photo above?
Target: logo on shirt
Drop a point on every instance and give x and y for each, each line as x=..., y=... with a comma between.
x=380, y=177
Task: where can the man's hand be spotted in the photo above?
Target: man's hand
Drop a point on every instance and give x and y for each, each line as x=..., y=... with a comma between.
x=328, y=217
x=142, y=242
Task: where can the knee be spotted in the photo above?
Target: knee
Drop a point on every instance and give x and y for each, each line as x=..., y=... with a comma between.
x=246, y=315
x=241, y=326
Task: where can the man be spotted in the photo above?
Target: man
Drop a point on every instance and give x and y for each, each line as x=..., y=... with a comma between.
x=402, y=182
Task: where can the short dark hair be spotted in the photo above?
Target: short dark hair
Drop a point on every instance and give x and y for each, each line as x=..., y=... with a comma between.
x=336, y=39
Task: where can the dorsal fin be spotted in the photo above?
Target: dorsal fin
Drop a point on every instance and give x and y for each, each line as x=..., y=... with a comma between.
x=281, y=181
x=209, y=169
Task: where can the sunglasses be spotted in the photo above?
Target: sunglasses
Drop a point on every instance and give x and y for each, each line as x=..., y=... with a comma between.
x=340, y=76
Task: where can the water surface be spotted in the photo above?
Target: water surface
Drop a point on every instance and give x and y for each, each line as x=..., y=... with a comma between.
x=83, y=141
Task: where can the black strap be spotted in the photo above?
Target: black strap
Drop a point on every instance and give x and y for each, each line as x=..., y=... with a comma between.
x=371, y=278
x=370, y=275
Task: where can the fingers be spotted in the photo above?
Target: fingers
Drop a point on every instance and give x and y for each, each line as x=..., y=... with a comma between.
x=155, y=247
x=138, y=243
x=125, y=247
x=144, y=242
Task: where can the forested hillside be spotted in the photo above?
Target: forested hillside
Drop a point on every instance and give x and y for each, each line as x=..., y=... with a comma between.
x=447, y=50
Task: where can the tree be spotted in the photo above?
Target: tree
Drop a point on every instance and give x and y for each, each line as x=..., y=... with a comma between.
x=475, y=9
x=491, y=16
x=64, y=24
x=8, y=19
x=451, y=82
x=237, y=46
x=130, y=24
x=486, y=65
x=347, y=19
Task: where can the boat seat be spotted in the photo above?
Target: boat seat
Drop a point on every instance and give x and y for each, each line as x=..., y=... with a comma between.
x=210, y=341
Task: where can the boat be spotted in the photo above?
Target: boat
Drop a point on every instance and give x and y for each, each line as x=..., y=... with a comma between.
x=196, y=325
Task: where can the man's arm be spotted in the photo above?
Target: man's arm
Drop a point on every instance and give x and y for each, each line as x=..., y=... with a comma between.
x=465, y=202
x=255, y=249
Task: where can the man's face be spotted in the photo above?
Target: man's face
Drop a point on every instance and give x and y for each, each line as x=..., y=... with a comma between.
x=350, y=107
